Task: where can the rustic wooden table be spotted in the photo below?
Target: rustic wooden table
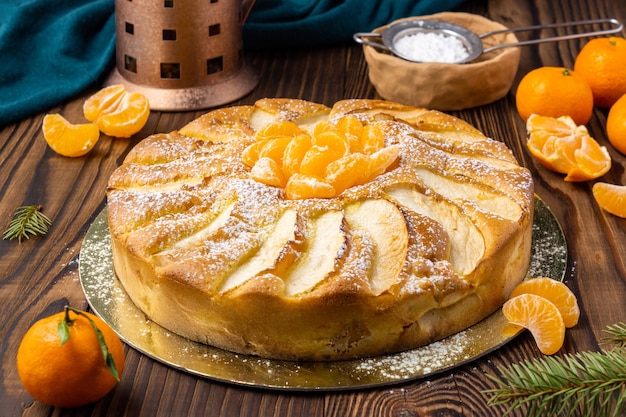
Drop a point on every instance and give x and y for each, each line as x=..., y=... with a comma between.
x=40, y=275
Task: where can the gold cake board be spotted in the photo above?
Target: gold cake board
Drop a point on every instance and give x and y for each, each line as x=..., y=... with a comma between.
x=108, y=299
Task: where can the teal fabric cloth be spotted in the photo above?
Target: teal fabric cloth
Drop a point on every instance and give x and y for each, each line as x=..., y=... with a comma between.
x=297, y=23
x=51, y=50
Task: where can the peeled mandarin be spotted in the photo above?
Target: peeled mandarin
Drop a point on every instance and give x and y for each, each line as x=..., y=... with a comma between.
x=556, y=292
x=324, y=126
x=294, y=153
x=282, y=128
x=103, y=101
x=320, y=165
x=128, y=118
x=352, y=130
x=274, y=148
x=541, y=317
x=316, y=159
x=251, y=154
x=334, y=141
x=610, y=197
x=344, y=172
x=67, y=139
x=350, y=125
x=380, y=160
x=267, y=171
x=371, y=139
x=301, y=186
x=117, y=112
x=562, y=146
x=592, y=161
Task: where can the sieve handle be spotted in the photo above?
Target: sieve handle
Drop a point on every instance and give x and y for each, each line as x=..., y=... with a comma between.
x=360, y=37
x=617, y=26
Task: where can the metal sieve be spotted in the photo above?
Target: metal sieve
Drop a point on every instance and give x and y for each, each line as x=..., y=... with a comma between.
x=472, y=42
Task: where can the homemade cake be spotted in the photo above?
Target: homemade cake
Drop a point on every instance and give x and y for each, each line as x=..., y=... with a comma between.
x=294, y=231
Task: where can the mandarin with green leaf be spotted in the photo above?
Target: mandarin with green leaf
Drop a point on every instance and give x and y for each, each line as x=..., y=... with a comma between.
x=70, y=359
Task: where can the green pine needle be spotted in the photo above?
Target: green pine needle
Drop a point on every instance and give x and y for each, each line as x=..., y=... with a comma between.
x=616, y=335
x=584, y=383
x=27, y=220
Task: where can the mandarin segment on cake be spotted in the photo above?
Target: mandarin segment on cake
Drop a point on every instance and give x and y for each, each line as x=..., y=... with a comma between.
x=295, y=231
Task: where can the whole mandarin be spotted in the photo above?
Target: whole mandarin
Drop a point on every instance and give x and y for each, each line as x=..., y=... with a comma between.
x=616, y=125
x=554, y=92
x=602, y=63
x=73, y=373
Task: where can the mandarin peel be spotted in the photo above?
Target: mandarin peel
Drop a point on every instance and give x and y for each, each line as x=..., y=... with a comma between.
x=564, y=147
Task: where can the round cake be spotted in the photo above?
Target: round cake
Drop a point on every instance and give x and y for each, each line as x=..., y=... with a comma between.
x=290, y=230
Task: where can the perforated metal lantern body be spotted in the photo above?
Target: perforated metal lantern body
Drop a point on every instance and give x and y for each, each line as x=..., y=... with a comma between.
x=182, y=54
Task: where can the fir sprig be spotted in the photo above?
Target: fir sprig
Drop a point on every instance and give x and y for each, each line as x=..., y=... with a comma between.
x=584, y=383
x=27, y=220
x=616, y=335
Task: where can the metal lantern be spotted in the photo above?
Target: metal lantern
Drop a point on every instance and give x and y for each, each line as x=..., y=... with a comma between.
x=182, y=54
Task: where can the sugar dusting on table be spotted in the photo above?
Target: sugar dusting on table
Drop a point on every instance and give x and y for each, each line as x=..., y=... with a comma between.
x=431, y=47
x=425, y=360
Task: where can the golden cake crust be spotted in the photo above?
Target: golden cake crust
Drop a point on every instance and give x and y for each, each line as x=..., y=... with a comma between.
x=422, y=251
